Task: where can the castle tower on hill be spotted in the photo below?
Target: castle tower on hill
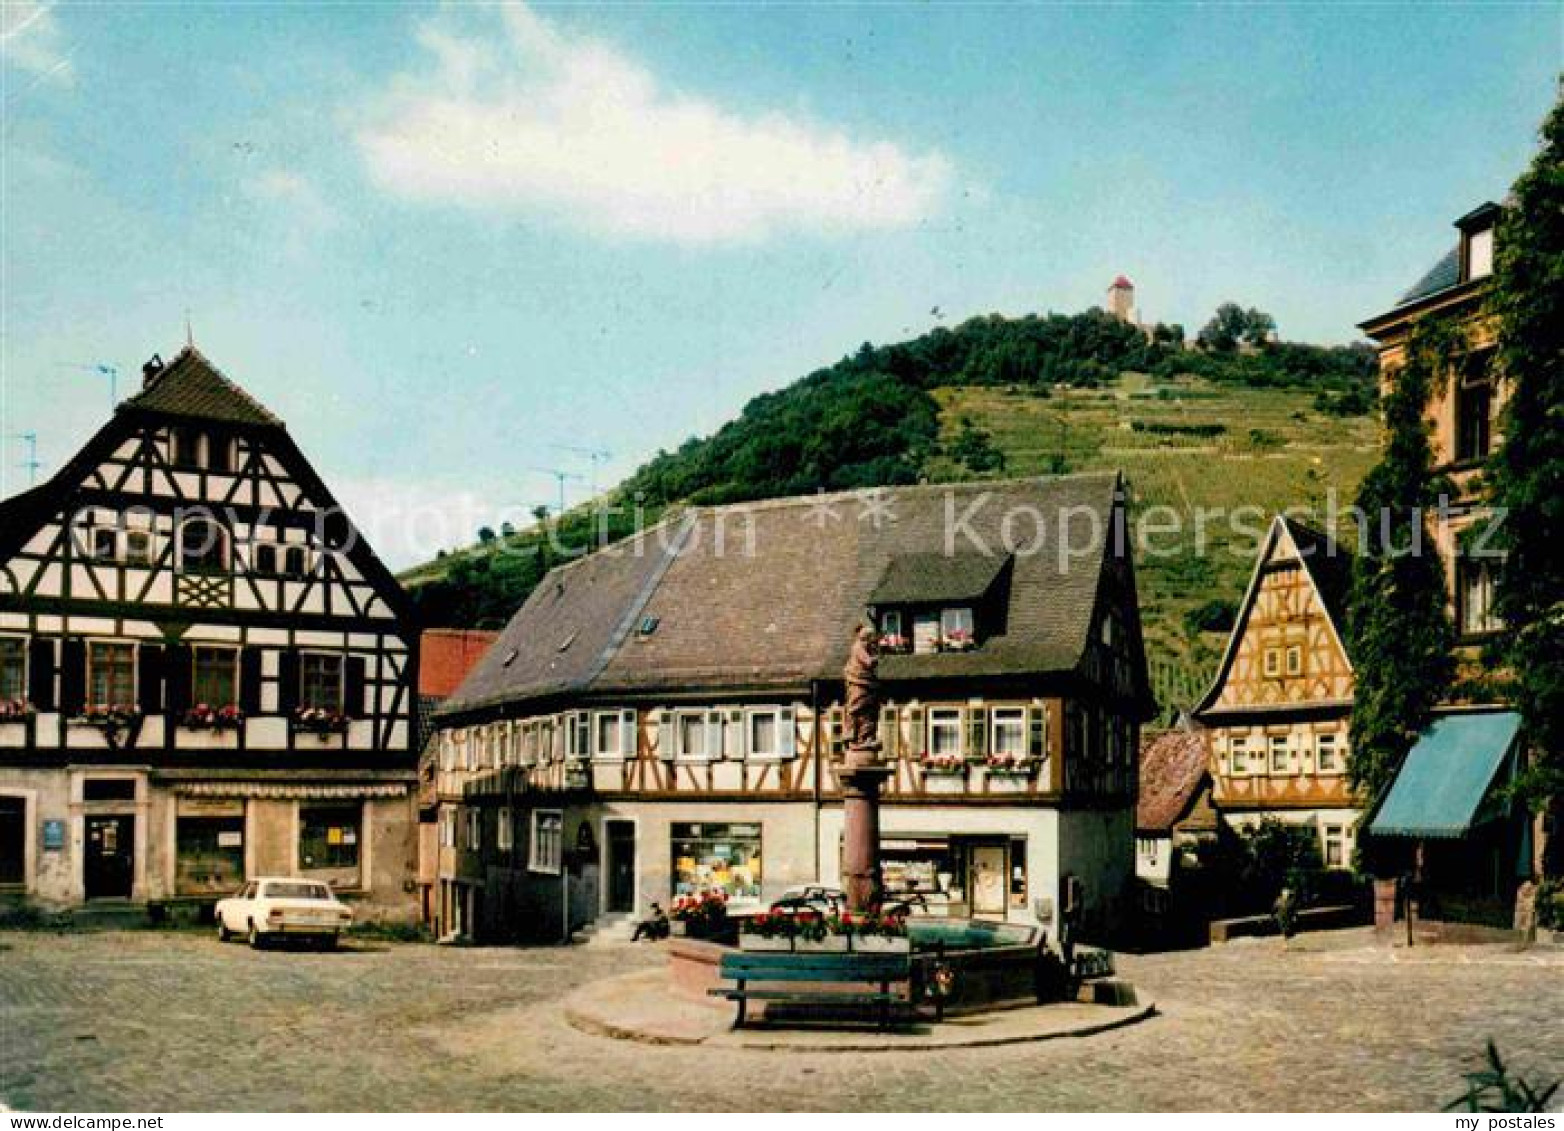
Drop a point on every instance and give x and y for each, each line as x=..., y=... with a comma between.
x=1121, y=301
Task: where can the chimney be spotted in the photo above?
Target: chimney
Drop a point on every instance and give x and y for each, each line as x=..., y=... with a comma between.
x=150, y=370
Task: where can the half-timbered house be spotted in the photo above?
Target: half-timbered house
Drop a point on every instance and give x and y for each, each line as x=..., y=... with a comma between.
x=664, y=716
x=1280, y=707
x=205, y=672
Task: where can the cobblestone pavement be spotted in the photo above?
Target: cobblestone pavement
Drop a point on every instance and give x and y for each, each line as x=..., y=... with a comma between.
x=133, y=1021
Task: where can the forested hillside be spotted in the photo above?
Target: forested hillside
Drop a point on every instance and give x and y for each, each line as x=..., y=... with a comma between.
x=1238, y=420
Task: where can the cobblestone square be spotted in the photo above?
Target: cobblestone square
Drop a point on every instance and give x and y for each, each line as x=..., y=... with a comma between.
x=145, y=1020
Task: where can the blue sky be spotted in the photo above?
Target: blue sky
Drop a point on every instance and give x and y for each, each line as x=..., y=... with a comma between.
x=441, y=240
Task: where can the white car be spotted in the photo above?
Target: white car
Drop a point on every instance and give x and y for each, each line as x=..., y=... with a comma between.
x=275, y=907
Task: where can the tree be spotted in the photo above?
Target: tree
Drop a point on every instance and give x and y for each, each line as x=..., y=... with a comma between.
x=1399, y=634
x=974, y=447
x=485, y=534
x=1232, y=325
x=1526, y=473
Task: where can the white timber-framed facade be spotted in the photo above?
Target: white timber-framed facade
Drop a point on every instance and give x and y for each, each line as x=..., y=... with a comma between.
x=209, y=673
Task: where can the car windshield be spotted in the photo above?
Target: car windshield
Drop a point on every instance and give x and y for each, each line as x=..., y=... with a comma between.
x=298, y=891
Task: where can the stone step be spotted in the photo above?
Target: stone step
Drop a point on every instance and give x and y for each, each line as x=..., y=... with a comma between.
x=109, y=915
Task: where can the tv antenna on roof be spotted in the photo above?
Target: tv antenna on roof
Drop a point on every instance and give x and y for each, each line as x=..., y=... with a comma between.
x=102, y=369
x=595, y=455
x=560, y=477
x=31, y=462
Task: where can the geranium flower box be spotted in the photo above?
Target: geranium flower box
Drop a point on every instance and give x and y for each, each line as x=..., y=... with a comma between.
x=831, y=944
x=764, y=944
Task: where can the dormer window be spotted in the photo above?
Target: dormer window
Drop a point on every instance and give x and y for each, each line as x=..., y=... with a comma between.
x=1479, y=254
x=958, y=629
x=1477, y=233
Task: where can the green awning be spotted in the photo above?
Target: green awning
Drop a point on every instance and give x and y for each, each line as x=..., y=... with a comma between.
x=1439, y=789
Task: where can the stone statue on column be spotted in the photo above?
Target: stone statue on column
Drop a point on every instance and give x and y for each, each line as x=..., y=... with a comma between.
x=862, y=681
x=863, y=774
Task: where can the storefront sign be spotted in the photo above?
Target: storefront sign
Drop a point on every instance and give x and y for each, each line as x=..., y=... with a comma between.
x=210, y=807
x=53, y=835
x=230, y=840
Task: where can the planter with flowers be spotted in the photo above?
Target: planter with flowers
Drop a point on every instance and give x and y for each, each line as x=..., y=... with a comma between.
x=320, y=722
x=769, y=931
x=15, y=711
x=957, y=640
x=874, y=933
x=203, y=716
x=113, y=721
x=815, y=932
x=895, y=644
x=944, y=773
x=1009, y=773
x=700, y=916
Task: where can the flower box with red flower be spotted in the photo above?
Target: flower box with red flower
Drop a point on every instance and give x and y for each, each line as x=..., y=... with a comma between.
x=957, y=640
x=875, y=933
x=701, y=915
x=16, y=710
x=204, y=716
x=944, y=764
x=320, y=721
x=768, y=931
x=1011, y=765
x=111, y=719
x=895, y=644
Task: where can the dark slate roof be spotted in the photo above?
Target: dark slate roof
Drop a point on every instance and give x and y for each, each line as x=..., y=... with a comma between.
x=1173, y=768
x=925, y=578
x=1440, y=277
x=766, y=595
x=192, y=386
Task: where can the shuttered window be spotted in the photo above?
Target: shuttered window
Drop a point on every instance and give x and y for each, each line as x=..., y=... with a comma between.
x=111, y=674
x=13, y=669
x=215, y=675
x=1009, y=731
x=320, y=681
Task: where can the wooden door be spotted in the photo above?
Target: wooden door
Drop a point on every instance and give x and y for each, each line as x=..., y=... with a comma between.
x=621, y=865
x=13, y=840
x=109, y=866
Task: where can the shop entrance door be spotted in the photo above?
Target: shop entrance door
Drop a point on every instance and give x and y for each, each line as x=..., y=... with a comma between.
x=621, y=865
x=988, y=882
x=111, y=856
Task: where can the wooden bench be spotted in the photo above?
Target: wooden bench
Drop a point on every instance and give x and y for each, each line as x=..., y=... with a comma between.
x=780, y=976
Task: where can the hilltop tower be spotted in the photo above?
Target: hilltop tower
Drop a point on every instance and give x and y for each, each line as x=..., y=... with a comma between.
x=1121, y=300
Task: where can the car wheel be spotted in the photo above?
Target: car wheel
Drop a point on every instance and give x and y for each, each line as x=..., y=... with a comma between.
x=255, y=938
x=223, y=933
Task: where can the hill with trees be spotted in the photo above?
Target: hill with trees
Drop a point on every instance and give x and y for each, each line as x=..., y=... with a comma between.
x=1241, y=419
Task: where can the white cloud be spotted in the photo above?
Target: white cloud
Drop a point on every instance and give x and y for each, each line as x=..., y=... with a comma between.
x=297, y=196
x=534, y=120
x=30, y=40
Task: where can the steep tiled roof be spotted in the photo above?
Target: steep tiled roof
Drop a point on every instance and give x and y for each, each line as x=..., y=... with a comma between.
x=446, y=655
x=1440, y=277
x=192, y=386
x=765, y=595
x=1172, y=771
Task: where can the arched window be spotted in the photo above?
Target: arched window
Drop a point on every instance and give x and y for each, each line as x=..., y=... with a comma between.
x=203, y=546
